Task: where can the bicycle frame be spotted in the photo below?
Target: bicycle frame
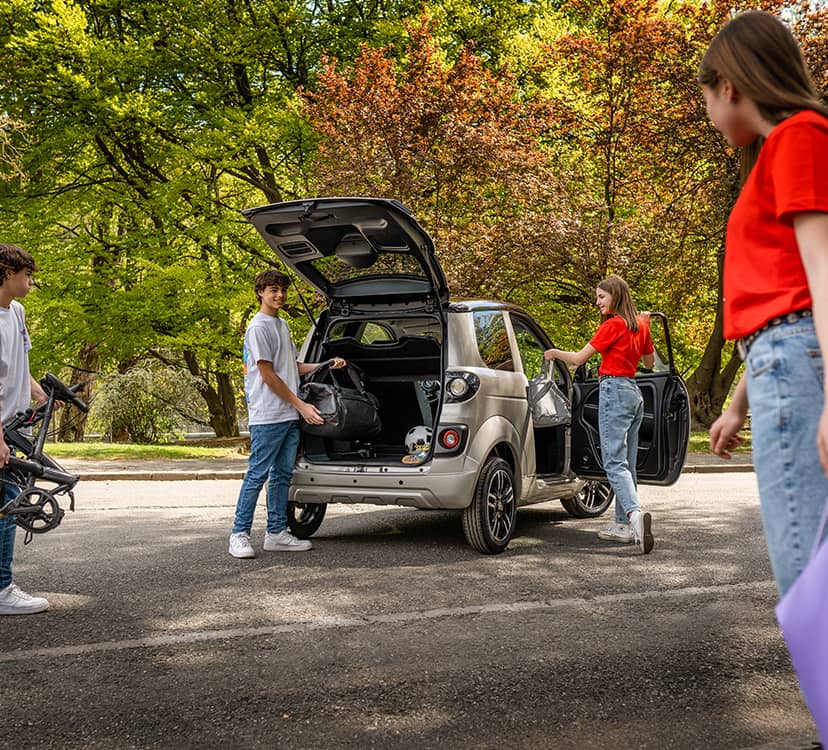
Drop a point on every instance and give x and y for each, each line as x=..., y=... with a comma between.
x=36, y=509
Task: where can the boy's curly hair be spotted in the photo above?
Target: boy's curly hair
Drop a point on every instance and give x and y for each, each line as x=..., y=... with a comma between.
x=271, y=277
x=14, y=259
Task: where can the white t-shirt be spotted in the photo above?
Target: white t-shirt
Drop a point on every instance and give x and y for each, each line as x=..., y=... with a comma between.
x=268, y=339
x=15, y=381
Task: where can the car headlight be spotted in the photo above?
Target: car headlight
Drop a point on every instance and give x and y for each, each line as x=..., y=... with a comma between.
x=461, y=386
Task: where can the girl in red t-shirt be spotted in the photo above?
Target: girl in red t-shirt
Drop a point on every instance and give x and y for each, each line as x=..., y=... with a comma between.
x=760, y=96
x=623, y=338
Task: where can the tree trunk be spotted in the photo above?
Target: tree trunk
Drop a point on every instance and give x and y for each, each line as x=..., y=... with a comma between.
x=220, y=400
x=709, y=386
x=73, y=421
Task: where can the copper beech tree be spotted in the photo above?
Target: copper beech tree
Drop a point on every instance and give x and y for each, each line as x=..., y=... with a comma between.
x=455, y=142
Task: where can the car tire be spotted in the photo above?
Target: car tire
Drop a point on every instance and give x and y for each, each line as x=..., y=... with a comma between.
x=304, y=519
x=489, y=521
x=592, y=501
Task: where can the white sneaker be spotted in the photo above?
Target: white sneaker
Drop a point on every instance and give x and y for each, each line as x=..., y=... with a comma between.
x=641, y=525
x=617, y=532
x=284, y=541
x=13, y=601
x=240, y=545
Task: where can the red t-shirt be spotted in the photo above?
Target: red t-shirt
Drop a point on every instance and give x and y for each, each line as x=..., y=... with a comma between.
x=763, y=273
x=620, y=347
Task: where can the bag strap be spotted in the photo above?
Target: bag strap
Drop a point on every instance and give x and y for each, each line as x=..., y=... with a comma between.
x=324, y=369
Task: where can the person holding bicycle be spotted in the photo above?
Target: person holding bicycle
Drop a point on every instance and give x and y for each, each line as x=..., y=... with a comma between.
x=17, y=389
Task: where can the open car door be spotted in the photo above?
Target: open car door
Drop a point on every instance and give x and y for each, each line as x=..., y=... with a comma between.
x=665, y=429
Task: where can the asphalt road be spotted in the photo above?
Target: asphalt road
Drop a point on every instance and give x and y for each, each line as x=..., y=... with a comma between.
x=393, y=633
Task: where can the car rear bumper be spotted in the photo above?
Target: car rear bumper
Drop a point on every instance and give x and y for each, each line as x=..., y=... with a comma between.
x=417, y=487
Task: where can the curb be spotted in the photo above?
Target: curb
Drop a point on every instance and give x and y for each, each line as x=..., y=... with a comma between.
x=168, y=475
x=157, y=476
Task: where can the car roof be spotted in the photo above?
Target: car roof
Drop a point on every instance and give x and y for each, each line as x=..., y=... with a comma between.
x=476, y=305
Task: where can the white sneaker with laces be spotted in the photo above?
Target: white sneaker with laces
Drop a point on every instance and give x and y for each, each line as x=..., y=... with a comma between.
x=641, y=525
x=284, y=541
x=240, y=545
x=617, y=532
x=13, y=601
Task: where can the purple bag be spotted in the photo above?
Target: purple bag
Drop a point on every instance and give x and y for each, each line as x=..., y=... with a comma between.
x=803, y=616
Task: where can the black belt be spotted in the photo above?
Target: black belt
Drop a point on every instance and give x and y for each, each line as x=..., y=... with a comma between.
x=604, y=377
x=743, y=345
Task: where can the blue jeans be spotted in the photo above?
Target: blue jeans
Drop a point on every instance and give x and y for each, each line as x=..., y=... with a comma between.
x=7, y=533
x=272, y=456
x=620, y=411
x=784, y=368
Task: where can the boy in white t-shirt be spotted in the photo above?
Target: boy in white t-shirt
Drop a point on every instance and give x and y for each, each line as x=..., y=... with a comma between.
x=17, y=388
x=271, y=380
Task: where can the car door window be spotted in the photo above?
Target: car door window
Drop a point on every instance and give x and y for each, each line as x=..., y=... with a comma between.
x=530, y=347
x=493, y=340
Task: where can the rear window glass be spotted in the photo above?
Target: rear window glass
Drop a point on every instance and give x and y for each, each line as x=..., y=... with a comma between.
x=492, y=340
x=336, y=270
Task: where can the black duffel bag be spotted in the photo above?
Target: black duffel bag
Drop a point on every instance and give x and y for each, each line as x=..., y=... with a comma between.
x=350, y=413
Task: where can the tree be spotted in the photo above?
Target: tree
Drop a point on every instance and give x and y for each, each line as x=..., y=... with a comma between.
x=453, y=140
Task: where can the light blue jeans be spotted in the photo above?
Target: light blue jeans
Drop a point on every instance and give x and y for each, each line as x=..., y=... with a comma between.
x=272, y=457
x=8, y=530
x=620, y=411
x=784, y=369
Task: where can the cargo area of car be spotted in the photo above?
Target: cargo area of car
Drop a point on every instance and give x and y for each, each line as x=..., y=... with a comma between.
x=405, y=375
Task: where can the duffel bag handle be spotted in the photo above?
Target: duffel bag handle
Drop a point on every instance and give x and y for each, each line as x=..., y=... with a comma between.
x=324, y=368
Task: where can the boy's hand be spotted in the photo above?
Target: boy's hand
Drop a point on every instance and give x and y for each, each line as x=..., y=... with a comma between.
x=309, y=413
x=4, y=452
x=338, y=363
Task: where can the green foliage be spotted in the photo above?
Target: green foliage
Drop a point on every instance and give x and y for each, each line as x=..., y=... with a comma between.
x=146, y=404
x=542, y=144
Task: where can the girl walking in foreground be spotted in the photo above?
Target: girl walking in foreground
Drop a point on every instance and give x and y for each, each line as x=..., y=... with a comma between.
x=759, y=95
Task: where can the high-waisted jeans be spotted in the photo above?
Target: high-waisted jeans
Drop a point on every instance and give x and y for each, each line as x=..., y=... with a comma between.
x=784, y=368
x=620, y=411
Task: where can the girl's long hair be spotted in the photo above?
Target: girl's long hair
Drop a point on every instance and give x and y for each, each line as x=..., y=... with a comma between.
x=757, y=53
x=620, y=300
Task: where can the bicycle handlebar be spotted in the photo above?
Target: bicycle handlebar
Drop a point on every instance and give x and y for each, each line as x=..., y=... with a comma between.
x=52, y=384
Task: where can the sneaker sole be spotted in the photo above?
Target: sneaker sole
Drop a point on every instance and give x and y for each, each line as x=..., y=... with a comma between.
x=287, y=548
x=22, y=610
x=242, y=556
x=648, y=541
x=619, y=539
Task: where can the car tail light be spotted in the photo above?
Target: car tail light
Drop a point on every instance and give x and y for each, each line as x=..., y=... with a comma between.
x=450, y=439
x=461, y=386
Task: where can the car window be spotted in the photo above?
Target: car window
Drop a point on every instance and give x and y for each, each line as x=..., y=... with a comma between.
x=530, y=347
x=660, y=346
x=492, y=340
x=369, y=333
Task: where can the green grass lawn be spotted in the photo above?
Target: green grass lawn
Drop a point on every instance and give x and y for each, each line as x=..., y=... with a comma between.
x=699, y=442
x=131, y=451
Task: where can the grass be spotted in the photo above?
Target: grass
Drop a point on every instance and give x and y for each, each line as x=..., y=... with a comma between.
x=699, y=443
x=132, y=451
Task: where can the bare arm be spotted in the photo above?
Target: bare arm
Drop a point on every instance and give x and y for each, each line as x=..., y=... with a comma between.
x=306, y=367
x=571, y=358
x=812, y=237
x=724, y=432
x=307, y=411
